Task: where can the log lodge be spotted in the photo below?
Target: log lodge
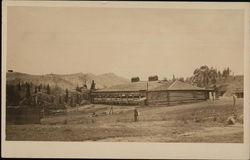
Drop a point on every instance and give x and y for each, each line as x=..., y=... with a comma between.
x=150, y=93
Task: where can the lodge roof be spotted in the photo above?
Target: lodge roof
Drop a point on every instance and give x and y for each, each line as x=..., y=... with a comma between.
x=178, y=85
x=133, y=86
x=152, y=86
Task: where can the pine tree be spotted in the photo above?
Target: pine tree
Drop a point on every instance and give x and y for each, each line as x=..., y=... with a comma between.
x=77, y=99
x=181, y=79
x=19, y=86
x=40, y=88
x=85, y=85
x=173, y=78
x=219, y=75
x=71, y=102
x=66, y=96
x=9, y=94
x=78, y=88
x=48, y=89
x=35, y=89
x=60, y=100
x=17, y=97
x=28, y=94
x=92, y=85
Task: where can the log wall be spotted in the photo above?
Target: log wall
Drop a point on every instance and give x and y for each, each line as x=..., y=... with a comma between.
x=166, y=97
x=175, y=97
x=118, y=98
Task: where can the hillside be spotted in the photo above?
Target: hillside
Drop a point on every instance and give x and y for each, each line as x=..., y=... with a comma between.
x=230, y=84
x=69, y=81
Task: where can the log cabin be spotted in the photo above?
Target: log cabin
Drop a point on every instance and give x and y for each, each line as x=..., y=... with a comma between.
x=150, y=93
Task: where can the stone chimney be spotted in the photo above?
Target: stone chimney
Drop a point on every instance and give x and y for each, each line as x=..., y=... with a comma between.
x=135, y=79
x=153, y=78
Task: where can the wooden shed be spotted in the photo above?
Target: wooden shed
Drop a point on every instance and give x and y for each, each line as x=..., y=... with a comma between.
x=150, y=92
x=239, y=92
x=177, y=93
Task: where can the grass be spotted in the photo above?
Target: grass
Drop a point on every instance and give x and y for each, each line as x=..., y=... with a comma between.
x=198, y=122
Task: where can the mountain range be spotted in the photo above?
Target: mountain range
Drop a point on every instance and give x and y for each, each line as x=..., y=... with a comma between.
x=69, y=81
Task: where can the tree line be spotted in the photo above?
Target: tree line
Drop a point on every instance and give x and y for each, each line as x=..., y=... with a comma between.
x=28, y=93
x=204, y=77
x=20, y=91
x=208, y=76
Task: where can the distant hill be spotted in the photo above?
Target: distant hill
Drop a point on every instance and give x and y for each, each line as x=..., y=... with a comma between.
x=69, y=81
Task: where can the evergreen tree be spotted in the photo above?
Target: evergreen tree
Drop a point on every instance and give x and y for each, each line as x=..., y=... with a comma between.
x=17, y=97
x=40, y=88
x=226, y=72
x=78, y=88
x=35, y=89
x=71, y=102
x=85, y=86
x=173, y=79
x=19, y=86
x=60, y=100
x=181, y=79
x=219, y=75
x=28, y=94
x=9, y=94
x=78, y=99
x=48, y=89
x=66, y=96
x=92, y=85
x=52, y=99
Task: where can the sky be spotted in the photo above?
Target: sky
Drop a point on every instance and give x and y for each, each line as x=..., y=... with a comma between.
x=125, y=41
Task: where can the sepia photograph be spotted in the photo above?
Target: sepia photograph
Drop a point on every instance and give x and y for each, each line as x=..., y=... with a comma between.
x=107, y=73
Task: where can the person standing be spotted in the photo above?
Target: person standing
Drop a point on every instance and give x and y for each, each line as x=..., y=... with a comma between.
x=234, y=99
x=111, y=110
x=136, y=114
x=234, y=103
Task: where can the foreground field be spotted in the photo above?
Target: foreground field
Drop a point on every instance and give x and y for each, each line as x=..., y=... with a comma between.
x=199, y=122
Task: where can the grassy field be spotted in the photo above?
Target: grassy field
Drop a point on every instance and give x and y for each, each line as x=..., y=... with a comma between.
x=198, y=122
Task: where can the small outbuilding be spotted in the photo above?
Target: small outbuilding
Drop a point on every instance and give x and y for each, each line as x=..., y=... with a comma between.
x=239, y=92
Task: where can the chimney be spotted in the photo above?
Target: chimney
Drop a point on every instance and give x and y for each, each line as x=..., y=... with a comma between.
x=153, y=78
x=135, y=79
x=10, y=70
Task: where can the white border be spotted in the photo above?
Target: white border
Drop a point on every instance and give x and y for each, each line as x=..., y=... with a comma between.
x=129, y=150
